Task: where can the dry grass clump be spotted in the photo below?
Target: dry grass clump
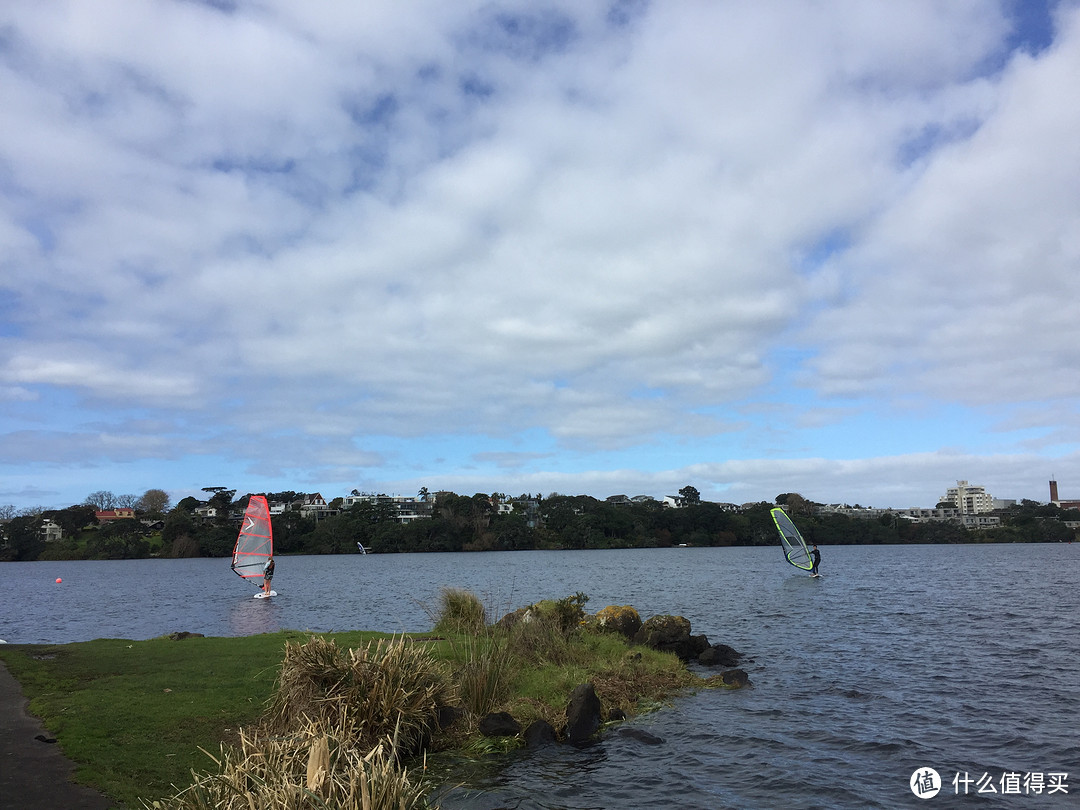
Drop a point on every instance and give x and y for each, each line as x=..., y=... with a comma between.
x=540, y=641
x=336, y=729
x=624, y=685
x=483, y=673
x=460, y=611
x=541, y=634
x=307, y=771
x=391, y=688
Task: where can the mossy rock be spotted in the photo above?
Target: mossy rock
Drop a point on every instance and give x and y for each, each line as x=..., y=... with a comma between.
x=622, y=619
x=667, y=634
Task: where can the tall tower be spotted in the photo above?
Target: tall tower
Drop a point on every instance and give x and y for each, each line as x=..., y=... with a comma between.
x=1053, y=492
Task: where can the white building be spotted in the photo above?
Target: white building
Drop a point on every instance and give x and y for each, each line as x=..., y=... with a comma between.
x=970, y=500
x=406, y=508
x=51, y=531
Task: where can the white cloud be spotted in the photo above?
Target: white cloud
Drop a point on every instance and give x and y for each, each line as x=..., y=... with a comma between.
x=958, y=289
x=470, y=224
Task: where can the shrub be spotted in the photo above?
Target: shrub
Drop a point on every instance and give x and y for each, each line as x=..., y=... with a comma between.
x=568, y=613
x=460, y=611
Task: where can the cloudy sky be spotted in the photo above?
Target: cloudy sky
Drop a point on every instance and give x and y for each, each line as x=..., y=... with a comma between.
x=600, y=247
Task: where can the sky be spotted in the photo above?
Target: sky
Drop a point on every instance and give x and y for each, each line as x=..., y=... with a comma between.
x=580, y=246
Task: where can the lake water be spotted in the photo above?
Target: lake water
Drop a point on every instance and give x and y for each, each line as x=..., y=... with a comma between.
x=964, y=659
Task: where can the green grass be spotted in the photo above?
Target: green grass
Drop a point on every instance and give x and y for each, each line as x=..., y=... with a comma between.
x=134, y=715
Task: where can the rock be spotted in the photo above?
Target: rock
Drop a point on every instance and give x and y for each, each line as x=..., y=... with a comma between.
x=512, y=619
x=621, y=619
x=720, y=655
x=182, y=634
x=615, y=715
x=667, y=634
x=582, y=713
x=735, y=677
x=540, y=733
x=640, y=735
x=499, y=724
x=698, y=645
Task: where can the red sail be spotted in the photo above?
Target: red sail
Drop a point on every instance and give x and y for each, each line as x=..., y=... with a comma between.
x=255, y=543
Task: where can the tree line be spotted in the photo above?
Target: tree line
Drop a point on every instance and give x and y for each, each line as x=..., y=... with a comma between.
x=473, y=523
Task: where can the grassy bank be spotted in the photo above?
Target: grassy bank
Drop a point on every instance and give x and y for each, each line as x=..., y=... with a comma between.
x=134, y=715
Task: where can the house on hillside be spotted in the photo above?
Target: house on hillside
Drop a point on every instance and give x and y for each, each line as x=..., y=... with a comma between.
x=120, y=513
x=314, y=507
x=51, y=531
x=406, y=507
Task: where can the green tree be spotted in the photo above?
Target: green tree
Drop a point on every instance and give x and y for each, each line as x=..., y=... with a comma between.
x=221, y=501
x=118, y=540
x=153, y=502
x=690, y=496
x=216, y=540
x=332, y=535
x=24, y=539
x=73, y=519
x=101, y=500
x=188, y=504
x=796, y=504
x=178, y=523
x=290, y=531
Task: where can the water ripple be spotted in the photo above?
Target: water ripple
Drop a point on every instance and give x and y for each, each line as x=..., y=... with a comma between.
x=899, y=658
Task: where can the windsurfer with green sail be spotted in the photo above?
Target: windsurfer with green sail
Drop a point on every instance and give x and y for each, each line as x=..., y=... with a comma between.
x=815, y=557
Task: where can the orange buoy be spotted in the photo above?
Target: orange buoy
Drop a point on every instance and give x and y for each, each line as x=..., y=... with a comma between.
x=58, y=580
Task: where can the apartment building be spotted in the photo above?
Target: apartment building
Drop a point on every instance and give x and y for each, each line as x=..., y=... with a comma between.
x=969, y=499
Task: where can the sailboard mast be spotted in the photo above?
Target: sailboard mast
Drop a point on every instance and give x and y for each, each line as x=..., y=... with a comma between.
x=795, y=550
x=255, y=542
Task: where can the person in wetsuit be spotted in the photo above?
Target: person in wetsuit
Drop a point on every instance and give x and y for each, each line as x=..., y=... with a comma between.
x=815, y=558
x=268, y=574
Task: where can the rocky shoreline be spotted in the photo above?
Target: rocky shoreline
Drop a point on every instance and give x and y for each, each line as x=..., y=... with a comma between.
x=585, y=714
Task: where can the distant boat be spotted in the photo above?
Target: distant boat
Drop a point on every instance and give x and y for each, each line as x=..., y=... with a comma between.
x=360, y=547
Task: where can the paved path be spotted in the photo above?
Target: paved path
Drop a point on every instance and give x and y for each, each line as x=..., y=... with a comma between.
x=35, y=775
